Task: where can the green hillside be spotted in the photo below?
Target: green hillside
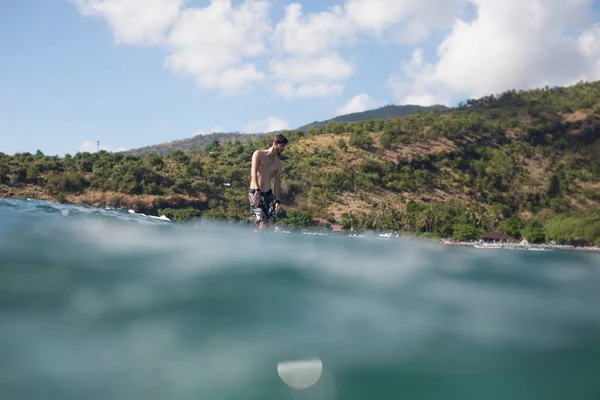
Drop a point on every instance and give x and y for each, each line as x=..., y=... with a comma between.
x=525, y=162
x=385, y=112
x=197, y=142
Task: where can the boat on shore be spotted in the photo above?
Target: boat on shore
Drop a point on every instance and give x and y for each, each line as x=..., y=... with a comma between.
x=488, y=246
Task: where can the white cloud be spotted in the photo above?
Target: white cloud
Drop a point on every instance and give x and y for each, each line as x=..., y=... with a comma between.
x=589, y=42
x=358, y=103
x=418, y=84
x=589, y=46
x=376, y=15
x=134, y=21
x=215, y=44
x=330, y=67
x=212, y=43
x=300, y=77
x=266, y=125
x=511, y=44
x=305, y=63
x=89, y=147
x=215, y=129
x=92, y=147
x=403, y=20
x=314, y=33
x=291, y=90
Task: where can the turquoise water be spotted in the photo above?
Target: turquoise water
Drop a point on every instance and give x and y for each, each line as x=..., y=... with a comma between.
x=104, y=304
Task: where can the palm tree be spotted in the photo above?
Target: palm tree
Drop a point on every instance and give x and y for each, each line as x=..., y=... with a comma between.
x=406, y=222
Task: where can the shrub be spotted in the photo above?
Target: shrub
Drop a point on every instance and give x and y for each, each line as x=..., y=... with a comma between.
x=65, y=183
x=360, y=140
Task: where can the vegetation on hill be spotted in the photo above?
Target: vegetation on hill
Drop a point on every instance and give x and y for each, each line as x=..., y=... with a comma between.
x=199, y=141
x=523, y=162
x=194, y=143
x=385, y=112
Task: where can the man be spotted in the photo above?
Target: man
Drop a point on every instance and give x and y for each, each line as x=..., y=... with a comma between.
x=264, y=205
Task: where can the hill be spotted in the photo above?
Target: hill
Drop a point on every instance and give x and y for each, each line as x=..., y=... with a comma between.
x=199, y=141
x=526, y=162
x=385, y=112
x=196, y=142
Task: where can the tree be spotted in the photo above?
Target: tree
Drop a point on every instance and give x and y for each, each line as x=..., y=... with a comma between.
x=32, y=173
x=534, y=231
x=4, y=170
x=179, y=156
x=513, y=227
x=554, y=186
x=297, y=219
x=360, y=140
x=464, y=232
x=65, y=183
x=155, y=160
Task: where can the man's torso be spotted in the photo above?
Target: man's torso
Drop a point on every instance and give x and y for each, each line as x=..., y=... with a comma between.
x=266, y=169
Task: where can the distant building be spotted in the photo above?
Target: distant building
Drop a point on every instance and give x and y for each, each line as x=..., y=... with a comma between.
x=580, y=242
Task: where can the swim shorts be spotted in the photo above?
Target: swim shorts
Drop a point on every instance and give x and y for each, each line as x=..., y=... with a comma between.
x=265, y=209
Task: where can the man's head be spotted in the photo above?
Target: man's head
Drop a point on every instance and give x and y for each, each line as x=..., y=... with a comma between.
x=279, y=143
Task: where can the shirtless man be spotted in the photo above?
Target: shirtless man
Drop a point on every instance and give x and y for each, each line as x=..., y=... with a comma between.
x=265, y=164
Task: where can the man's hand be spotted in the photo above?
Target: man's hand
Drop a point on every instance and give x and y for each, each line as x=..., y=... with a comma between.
x=276, y=207
x=256, y=197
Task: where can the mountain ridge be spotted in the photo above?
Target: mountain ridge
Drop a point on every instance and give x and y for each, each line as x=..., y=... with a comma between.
x=384, y=112
x=198, y=142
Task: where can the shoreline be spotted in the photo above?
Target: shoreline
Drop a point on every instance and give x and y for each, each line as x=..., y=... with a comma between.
x=101, y=202
x=536, y=247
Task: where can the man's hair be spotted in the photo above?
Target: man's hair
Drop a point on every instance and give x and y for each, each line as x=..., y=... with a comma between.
x=279, y=138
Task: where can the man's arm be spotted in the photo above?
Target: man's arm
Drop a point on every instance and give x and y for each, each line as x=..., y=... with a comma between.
x=278, y=183
x=254, y=169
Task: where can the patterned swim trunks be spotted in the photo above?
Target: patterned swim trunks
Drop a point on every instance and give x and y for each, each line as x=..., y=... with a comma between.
x=265, y=209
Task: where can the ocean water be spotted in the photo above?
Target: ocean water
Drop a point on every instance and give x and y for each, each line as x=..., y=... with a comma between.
x=106, y=304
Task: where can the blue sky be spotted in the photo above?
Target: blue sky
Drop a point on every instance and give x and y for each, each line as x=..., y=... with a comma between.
x=131, y=73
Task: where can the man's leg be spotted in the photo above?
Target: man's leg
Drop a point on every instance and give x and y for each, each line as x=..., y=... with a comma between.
x=257, y=213
x=269, y=209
